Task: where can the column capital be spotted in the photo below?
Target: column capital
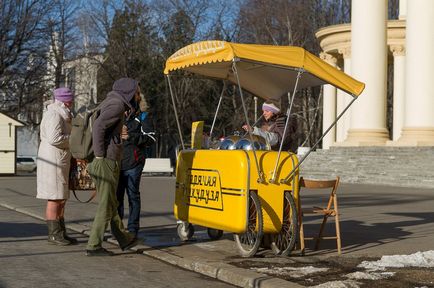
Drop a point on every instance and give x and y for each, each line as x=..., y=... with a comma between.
x=345, y=51
x=397, y=50
x=328, y=58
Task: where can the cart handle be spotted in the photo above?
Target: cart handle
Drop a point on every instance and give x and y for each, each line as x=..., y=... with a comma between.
x=285, y=181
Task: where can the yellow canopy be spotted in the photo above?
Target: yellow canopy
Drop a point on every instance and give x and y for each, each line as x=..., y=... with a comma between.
x=264, y=70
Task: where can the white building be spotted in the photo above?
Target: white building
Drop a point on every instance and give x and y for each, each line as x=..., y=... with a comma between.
x=81, y=77
x=8, y=144
x=362, y=49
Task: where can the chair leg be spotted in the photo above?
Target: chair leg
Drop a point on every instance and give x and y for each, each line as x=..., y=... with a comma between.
x=337, y=223
x=338, y=235
x=321, y=230
x=302, y=247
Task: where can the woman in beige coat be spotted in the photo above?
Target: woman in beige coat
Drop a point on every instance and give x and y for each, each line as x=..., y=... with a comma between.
x=53, y=164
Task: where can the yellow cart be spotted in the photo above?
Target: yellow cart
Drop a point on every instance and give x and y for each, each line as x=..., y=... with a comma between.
x=244, y=188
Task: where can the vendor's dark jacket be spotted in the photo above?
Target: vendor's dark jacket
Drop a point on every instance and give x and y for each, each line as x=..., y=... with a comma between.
x=106, y=138
x=140, y=135
x=277, y=125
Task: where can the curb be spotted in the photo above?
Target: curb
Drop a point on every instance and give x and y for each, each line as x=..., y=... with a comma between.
x=220, y=271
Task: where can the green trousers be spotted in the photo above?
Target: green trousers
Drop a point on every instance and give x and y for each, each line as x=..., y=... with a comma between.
x=105, y=174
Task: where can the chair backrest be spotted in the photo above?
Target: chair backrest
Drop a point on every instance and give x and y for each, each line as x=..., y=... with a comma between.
x=321, y=184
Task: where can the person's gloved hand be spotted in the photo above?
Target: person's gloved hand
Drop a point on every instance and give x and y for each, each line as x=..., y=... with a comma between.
x=248, y=128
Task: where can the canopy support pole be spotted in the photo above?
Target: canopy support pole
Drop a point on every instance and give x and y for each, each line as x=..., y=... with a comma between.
x=283, y=181
x=260, y=173
x=176, y=113
x=288, y=113
x=256, y=108
x=217, y=110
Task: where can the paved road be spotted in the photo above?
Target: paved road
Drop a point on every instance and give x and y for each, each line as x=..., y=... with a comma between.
x=375, y=221
x=26, y=260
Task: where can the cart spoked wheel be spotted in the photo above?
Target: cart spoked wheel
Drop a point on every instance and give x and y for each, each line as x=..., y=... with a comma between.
x=214, y=234
x=248, y=242
x=185, y=231
x=284, y=242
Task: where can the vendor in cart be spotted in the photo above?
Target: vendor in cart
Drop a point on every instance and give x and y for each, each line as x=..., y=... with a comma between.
x=273, y=126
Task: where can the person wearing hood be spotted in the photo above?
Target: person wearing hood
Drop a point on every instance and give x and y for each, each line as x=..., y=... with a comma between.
x=53, y=164
x=105, y=168
x=138, y=134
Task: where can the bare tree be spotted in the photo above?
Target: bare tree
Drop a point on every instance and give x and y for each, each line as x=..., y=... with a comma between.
x=22, y=52
x=63, y=37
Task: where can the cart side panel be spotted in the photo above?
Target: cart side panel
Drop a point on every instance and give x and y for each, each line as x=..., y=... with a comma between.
x=212, y=189
x=271, y=194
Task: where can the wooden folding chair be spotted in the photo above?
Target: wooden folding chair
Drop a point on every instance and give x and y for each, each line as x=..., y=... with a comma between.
x=330, y=210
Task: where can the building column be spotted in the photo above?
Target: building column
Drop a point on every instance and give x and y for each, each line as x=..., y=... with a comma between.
x=343, y=99
x=419, y=88
x=398, y=52
x=402, y=9
x=398, y=89
x=369, y=65
x=329, y=106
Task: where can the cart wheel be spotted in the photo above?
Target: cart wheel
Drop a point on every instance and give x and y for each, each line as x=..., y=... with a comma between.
x=214, y=234
x=185, y=231
x=248, y=242
x=284, y=242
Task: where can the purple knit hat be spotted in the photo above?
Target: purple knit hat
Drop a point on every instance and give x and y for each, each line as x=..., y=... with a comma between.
x=63, y=94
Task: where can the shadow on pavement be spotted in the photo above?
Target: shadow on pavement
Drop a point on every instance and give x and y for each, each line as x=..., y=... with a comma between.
x=22, y=230
x=357, y=234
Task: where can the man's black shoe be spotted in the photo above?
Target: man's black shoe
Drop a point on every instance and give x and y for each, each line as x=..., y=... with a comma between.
x=99, y=252
x=134, y=242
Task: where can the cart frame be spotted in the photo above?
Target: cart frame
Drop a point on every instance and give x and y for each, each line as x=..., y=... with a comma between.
x=279, y=68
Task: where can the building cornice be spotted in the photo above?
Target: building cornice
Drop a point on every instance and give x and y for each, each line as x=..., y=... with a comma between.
x=336, y=39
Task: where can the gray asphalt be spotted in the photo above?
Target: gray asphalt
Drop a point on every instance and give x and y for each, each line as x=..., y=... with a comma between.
x=28, y=261
x=375, y=221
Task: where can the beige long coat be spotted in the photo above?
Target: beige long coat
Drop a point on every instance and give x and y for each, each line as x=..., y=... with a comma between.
x=53, y=156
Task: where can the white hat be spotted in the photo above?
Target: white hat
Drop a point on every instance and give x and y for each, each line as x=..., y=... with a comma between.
x=270, y=107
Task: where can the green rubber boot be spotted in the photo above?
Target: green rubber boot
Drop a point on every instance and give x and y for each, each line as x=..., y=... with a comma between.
x=55, y=233
x=62, y=226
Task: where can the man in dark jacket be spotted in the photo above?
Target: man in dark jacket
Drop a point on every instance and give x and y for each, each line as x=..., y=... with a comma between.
x=138, y=134
x=104, y=169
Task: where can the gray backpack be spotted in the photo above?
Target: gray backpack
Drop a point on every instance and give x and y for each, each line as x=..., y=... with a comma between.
x=80, y=140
